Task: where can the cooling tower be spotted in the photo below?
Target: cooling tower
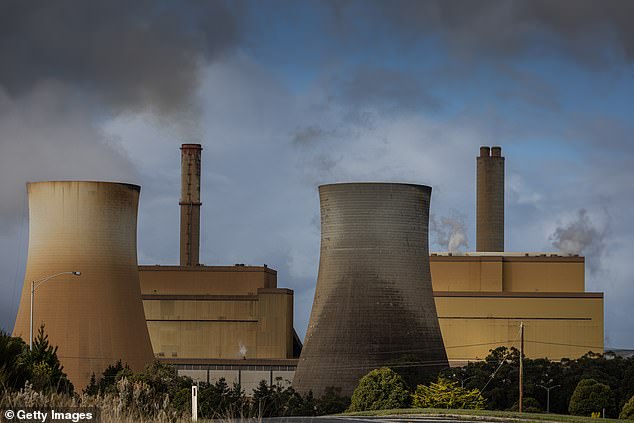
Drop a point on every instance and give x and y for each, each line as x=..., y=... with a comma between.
x=373, y=304
x=96, y=318
x=190, y=204
x=490, y=200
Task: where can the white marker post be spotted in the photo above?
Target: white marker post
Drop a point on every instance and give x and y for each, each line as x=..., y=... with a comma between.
x=194, y=403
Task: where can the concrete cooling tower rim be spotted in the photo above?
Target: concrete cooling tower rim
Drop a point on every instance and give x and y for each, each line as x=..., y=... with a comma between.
x=342, y=184
x=129, y=185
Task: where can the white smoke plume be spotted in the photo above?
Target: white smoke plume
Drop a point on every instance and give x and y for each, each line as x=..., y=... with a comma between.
x=450, y=233
x=581, y=236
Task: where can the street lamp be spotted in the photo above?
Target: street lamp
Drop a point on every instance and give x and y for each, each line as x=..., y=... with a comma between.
x=548, y=394
x=462, y=381
x=34, y=286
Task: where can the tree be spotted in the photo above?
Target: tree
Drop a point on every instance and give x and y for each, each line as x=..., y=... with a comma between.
x=45, y=371
x=107, y=383
x=627, y=413
x=447, y=394
x=591, y=396
x=13, y=372
x=529, y=405
x=380, y=389
x=331, y=402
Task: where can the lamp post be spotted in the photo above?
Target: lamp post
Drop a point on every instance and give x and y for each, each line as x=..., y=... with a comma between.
x=34, y=286
x=548, y=394
x=462, y=381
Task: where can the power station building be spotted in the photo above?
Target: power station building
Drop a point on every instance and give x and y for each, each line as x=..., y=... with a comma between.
x=217, y=321
x=234, y=322
x=482, y=297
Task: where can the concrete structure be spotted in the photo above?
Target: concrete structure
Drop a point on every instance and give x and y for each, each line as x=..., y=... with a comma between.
x=219, y=312
x=373, y=303
x=490, y=200
x=217, y=321
x=190, y=204
x=97, y=318
x=481, y=299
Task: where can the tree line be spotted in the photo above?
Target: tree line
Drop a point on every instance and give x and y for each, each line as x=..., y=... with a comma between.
x=582, y=386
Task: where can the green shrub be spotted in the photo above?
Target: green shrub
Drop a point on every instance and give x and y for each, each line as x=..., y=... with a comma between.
x=529, y=405
x=591, y=396
x=380, y=389
x=447, y=394
x=331, y=402
x=627, y=413
x=45, y=371
x=13, y=372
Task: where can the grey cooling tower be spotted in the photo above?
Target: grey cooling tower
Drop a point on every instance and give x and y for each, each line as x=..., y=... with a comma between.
x=373, y=304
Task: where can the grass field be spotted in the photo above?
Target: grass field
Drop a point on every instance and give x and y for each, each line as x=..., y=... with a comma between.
x=484, y=414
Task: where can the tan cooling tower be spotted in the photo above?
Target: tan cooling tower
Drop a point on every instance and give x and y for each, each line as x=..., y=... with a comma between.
x=190, y=204
x=374, y=305
x=96, y=318
x=490, y=200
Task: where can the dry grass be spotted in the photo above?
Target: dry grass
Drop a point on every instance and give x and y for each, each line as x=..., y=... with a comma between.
x=113, y=408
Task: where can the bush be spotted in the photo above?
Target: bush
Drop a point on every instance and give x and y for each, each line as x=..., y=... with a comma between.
x=529, y=405
x=13, y=372
x=380, y=389
x=331, y=402
x=447, y=394
x=591, y=396
x=44, y=370
x=107, y=383
x=627, y=413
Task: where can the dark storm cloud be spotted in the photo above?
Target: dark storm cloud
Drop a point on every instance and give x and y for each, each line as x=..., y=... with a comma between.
x=387, y=90
x=130, y=55
x=311, y=134
x=582, y=28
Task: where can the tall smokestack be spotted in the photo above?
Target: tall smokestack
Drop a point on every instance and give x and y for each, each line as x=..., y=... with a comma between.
x=190, y=204
x=490, y=200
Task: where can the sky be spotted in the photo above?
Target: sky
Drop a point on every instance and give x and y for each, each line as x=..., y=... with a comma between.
x=285, y=96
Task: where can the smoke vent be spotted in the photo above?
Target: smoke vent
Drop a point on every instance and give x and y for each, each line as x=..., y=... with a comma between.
x=96, y=318
x=373, y=303
x=190, y=205
x=490, y=200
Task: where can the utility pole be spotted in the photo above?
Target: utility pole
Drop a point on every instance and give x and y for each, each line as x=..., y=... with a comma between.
x=521, y=366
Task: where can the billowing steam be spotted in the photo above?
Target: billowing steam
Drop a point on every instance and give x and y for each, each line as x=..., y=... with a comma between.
x=450, y=233
x=581, y=236
x=243, y=351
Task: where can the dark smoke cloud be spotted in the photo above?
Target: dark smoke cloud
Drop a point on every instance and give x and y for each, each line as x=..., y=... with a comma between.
x=387, y=90
x=130, y=55
x=581, y=236
x=502, y=28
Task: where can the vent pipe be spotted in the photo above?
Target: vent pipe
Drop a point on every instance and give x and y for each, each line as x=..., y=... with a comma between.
x=190, y=204
x=490, y=200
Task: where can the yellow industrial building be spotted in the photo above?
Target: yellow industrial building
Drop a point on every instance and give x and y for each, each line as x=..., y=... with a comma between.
x=222, y=312
x=481, y=298
x=234, y=322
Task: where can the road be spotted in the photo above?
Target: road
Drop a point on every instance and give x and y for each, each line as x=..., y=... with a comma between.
x=382, y=419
